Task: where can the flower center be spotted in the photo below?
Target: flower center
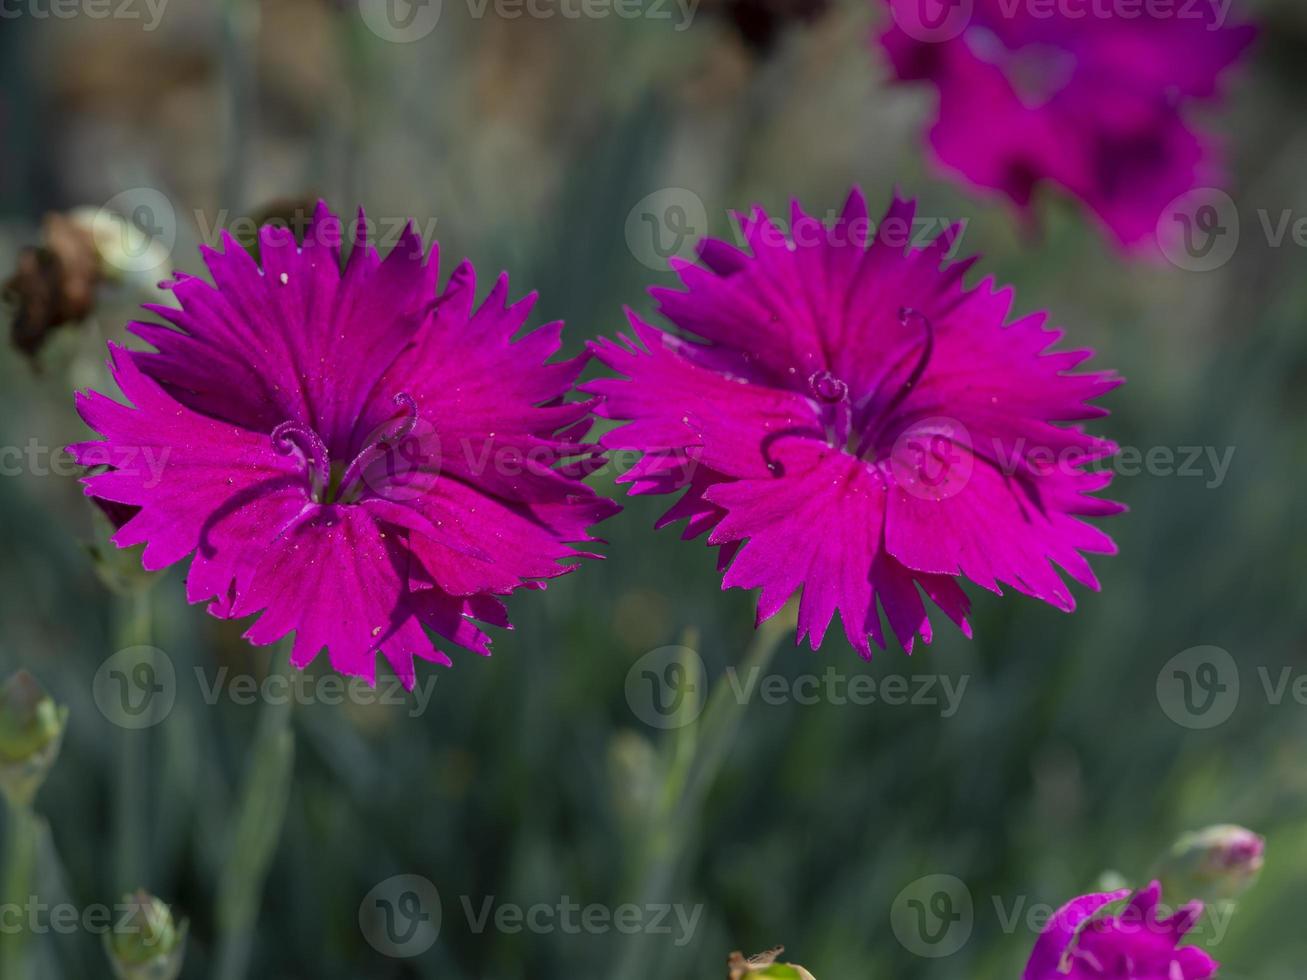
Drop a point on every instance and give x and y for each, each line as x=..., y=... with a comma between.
x=330, y=482
x=857, y=428
x=833, y=403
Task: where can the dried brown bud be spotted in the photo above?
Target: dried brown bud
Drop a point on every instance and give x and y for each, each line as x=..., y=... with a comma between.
x=54, y=282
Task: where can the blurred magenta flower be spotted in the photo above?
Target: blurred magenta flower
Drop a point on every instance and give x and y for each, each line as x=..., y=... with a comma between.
x=850, y=419
x=357, y=455
x=1138, y=943
x=1094, y=103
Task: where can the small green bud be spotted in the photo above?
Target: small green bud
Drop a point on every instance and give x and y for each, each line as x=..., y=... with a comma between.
x=31, y=730
x=119, y=569
x=145, y=943
x=782, y=971
x=763, y=966
x=1213, y=864
x=636, y=775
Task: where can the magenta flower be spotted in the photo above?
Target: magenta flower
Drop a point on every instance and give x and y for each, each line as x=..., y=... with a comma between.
x=356, y=455
x=1094, y=104
x=1138, y=943
x=848, y=418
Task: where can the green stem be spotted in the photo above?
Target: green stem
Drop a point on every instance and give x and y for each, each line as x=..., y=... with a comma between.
x=22, y=840
x=358, y=80
x=240, y=33
x=257, y=829
x=669, y=830
x=134, y=630
x=721, y=719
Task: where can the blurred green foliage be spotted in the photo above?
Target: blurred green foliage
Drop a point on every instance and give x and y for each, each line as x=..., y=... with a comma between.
x=524, y=145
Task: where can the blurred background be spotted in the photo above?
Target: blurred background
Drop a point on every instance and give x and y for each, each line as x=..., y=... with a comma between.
x=532, y=144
